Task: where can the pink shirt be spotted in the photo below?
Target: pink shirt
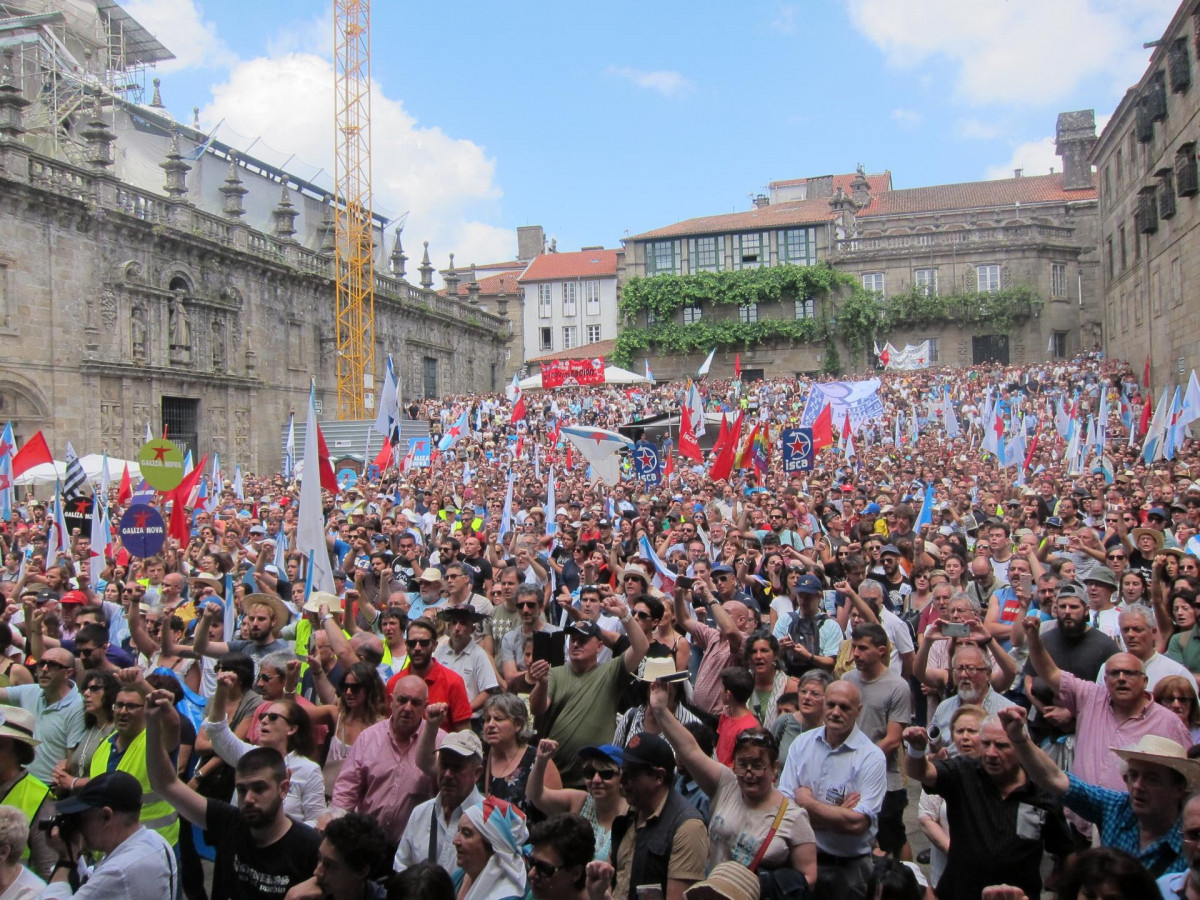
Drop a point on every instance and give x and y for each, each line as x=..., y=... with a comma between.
x=1097, y=730
x=717, y=653
x=380, y=778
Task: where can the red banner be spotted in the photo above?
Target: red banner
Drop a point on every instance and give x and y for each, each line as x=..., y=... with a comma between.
x=571, y=372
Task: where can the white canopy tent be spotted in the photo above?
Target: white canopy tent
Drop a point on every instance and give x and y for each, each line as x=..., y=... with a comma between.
x=48, y=473
x=612, y=375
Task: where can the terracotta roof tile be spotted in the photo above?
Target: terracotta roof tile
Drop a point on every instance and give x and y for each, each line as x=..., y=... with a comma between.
x=505, y=282
x=975, y=195
x=587, y=351
x=578, y=264
x=795, y=212
x=881, y=181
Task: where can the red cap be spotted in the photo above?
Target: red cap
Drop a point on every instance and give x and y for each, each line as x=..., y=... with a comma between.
x=74, y=597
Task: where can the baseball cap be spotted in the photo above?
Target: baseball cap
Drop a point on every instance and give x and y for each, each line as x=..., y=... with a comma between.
x=871, y=509
x=645, y=749
x=462, y=743
x=889, y=548
x=610, y=752
x=74, y=597
x=119, y=791
x=257, y=529
x=722, y=570
x=1072, y=589
x=1160, y=511
x=808, y=584
x=583, y=628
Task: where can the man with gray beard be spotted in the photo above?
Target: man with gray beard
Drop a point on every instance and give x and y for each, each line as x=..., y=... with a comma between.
x=971, y=674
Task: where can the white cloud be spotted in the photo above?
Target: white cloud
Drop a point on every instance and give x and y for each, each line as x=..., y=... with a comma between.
x=1035, y=157
x=182, y=30
x=977, y=130
x=665, y=82
x=907, y=118
x=1018, y=51
x=445, y=183
x=785, y=18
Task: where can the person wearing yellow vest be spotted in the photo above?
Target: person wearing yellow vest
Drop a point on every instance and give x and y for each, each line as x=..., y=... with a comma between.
x=125, y=751
x=20, y=789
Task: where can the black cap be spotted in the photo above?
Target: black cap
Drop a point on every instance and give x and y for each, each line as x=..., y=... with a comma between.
x=645, y=749
x=584, y=628
x=119, y=791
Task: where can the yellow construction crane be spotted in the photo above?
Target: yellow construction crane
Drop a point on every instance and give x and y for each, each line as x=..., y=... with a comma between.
x=354, y=255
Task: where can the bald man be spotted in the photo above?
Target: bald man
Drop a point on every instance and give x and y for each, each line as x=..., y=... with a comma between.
x=839, y=777
x=380, y=777
x=722, y=645
x=57, y=708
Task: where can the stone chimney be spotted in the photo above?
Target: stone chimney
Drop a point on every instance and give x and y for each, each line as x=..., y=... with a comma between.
x=1075, y=136
x=761, y=200
x=860, y=188
x=531, y=241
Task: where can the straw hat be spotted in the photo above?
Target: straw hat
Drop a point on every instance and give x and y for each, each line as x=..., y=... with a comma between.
x=279, y=612
x=17, y=723
x=1163, y=751
x=1159, y=539
x=660, y=667
x=728, y=879
x=331, y=601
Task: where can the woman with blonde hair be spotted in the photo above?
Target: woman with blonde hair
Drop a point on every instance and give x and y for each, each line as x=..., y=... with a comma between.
x=16, y=881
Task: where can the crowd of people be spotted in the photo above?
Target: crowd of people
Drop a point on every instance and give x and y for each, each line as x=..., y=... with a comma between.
x=645, y=691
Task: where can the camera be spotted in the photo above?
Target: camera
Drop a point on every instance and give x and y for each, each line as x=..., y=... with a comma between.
x=937, y=740
x=60, y=822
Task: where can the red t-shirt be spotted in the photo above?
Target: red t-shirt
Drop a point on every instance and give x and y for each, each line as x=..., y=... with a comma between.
x=445, y=686
x=727, y=731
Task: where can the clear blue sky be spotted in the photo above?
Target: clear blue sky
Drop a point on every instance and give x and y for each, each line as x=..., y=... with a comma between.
x=600, y=121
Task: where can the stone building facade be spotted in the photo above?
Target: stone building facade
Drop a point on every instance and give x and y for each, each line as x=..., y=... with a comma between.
x=1037, y=231
x=1146, y=163
x=202, y=307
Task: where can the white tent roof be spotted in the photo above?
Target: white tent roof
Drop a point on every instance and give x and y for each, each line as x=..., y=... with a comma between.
x=612, y=375
x=48, y=473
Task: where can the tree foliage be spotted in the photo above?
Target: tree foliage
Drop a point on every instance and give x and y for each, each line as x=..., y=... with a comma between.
x=676, y=338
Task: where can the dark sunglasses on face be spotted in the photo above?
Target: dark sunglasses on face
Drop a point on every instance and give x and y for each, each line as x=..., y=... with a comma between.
x=419, y=642
x=49, y=664
x=353, y=686
x=605, y=774
x=272, y=717
x=541, y=868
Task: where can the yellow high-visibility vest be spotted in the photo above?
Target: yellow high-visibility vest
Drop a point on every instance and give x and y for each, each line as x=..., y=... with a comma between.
x=157, y=814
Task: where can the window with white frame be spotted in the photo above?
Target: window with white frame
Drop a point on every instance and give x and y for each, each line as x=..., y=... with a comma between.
x=1058, y=281
x=692, y=314
x=798, y=246
x=926, y=281
x=569, y=337
x=987, y=278
x=591, y=295
x=750, y=252
x=568, y=298
x=805, y=308
x=748, y=313
x=705, y=257
x=873, y=281
x=593, y=334
x=660, y=257
x=546, y=338
x=545, y=310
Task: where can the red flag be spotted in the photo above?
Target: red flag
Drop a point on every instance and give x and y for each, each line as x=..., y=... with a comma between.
x=35, y=452
x=1032, y=450
x=518, y=412
x=325, y=465
x=125, y=491
x=178, y=527
x=1146, y=373
x=822, y=429
x=670, y=466
x=1144, y=424
x=570, y=457
x=846, y=431
x=722, y=466
x=722, y=436
x=747, y=447
x=737, y=366
x=520, y=446
x=689, y=447
x=384, y=459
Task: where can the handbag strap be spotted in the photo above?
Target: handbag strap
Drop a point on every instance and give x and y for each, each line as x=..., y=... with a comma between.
x=762, y=850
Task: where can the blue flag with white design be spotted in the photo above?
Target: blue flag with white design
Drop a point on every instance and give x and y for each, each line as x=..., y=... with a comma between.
x=647, y=464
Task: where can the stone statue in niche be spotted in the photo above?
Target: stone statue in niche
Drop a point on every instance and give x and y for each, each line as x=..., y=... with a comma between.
x=137, y=334
x=218, y=346
x=180, y=331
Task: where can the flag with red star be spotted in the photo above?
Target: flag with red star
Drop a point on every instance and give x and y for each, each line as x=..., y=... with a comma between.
x=6, y=475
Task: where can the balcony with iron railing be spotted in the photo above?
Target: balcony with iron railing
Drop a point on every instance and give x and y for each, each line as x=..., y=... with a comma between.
x=94, y=192
x=922, y=242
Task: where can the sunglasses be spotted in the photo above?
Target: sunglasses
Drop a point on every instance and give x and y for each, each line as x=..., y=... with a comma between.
x=528, y=604
x=49, y=664
x=542, y=868
x=605, y=774
x=273, y=717
x=419, y=642
x=353, y=686
x=642, y=615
